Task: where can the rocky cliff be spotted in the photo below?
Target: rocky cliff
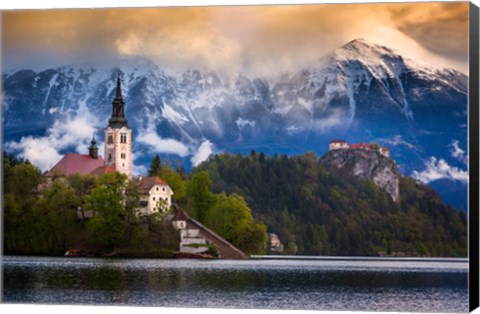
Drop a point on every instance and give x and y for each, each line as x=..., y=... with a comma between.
x=367, y=164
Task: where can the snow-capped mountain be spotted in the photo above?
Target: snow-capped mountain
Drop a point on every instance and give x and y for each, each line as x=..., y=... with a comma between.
x=361, y=91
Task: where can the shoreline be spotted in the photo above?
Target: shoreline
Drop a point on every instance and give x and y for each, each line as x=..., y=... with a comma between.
x=362, y=258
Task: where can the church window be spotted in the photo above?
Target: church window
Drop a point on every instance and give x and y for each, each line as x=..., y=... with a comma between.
x=110, y=139
x=123, y=138
x=123, y=156
x=163, y=189
x=109, y=157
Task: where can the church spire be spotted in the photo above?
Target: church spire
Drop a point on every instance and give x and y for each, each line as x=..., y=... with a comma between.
x=118, y=94
x=93, y=149
x=118, y=108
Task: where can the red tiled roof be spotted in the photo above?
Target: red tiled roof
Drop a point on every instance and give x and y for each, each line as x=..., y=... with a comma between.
x=102, y=170
x=146, y=183
x=361, y=145
x=75, y=163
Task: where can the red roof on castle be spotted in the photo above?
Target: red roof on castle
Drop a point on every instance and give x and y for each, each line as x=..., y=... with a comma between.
x=147, y=183
x=361, y=145
x=338, y=141
x=75, y=163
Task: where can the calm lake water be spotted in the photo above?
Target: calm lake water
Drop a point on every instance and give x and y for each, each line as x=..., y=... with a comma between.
x=371, y=285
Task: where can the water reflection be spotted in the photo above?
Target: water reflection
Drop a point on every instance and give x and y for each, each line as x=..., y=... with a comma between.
x=321, y=285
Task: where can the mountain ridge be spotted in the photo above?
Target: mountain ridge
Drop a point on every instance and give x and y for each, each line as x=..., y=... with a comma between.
x=291, y=113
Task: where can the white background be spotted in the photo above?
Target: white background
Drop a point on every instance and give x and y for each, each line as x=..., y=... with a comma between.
x=30, y=4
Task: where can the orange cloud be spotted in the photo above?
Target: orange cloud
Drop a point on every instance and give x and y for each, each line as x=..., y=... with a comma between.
x=258, y=39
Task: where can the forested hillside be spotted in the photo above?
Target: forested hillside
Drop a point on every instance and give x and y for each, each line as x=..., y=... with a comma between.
x=316, y=209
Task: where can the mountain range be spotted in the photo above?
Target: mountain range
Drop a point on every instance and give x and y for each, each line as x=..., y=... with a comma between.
x=360, y=92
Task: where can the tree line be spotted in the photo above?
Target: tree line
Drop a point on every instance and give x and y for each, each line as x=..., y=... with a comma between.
x=45, y=217
x=327, y=211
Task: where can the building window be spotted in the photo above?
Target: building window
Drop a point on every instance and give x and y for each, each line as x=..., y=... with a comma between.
x=163, y=189
x=109, y=157
x=157, y=188
x=123, y=138
x=123, y=155
x=154, y=198
x=110, y=139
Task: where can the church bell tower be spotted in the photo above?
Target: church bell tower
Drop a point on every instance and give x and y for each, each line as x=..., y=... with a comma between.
x=118, y=137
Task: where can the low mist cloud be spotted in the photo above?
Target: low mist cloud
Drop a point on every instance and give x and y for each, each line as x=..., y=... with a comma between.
x=440, y=169
x=44, y=152
x=204, y=151
x=157, y=144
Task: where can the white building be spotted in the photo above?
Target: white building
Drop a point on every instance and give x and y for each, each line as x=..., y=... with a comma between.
x=338, y=144
x=156, y=195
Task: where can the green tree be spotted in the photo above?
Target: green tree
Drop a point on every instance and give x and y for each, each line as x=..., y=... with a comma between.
x=20, y=228
x=422, y=250
x=83, y=185
x=132, y=223
x=232, y=219
x=56, y=212
x=176, y=182
x=107, y=202
x=200, y=196
x=155, y=167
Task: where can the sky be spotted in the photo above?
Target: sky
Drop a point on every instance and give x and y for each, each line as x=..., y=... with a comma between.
x=258, y=39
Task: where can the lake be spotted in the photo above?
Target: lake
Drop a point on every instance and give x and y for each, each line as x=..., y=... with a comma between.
x=433, y=285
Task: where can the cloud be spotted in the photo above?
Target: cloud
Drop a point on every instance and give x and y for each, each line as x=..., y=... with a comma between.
x=44, y=152
x=397, y=140
x=457, y=152
x=440, y=27
x=334, y=118
x=254, y=39
x=440, y=169
x=75, y=132
x=156, y=144
x=203, y=152
x=39, y=151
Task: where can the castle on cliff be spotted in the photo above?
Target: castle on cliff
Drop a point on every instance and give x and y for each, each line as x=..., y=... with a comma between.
x=341, y=144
